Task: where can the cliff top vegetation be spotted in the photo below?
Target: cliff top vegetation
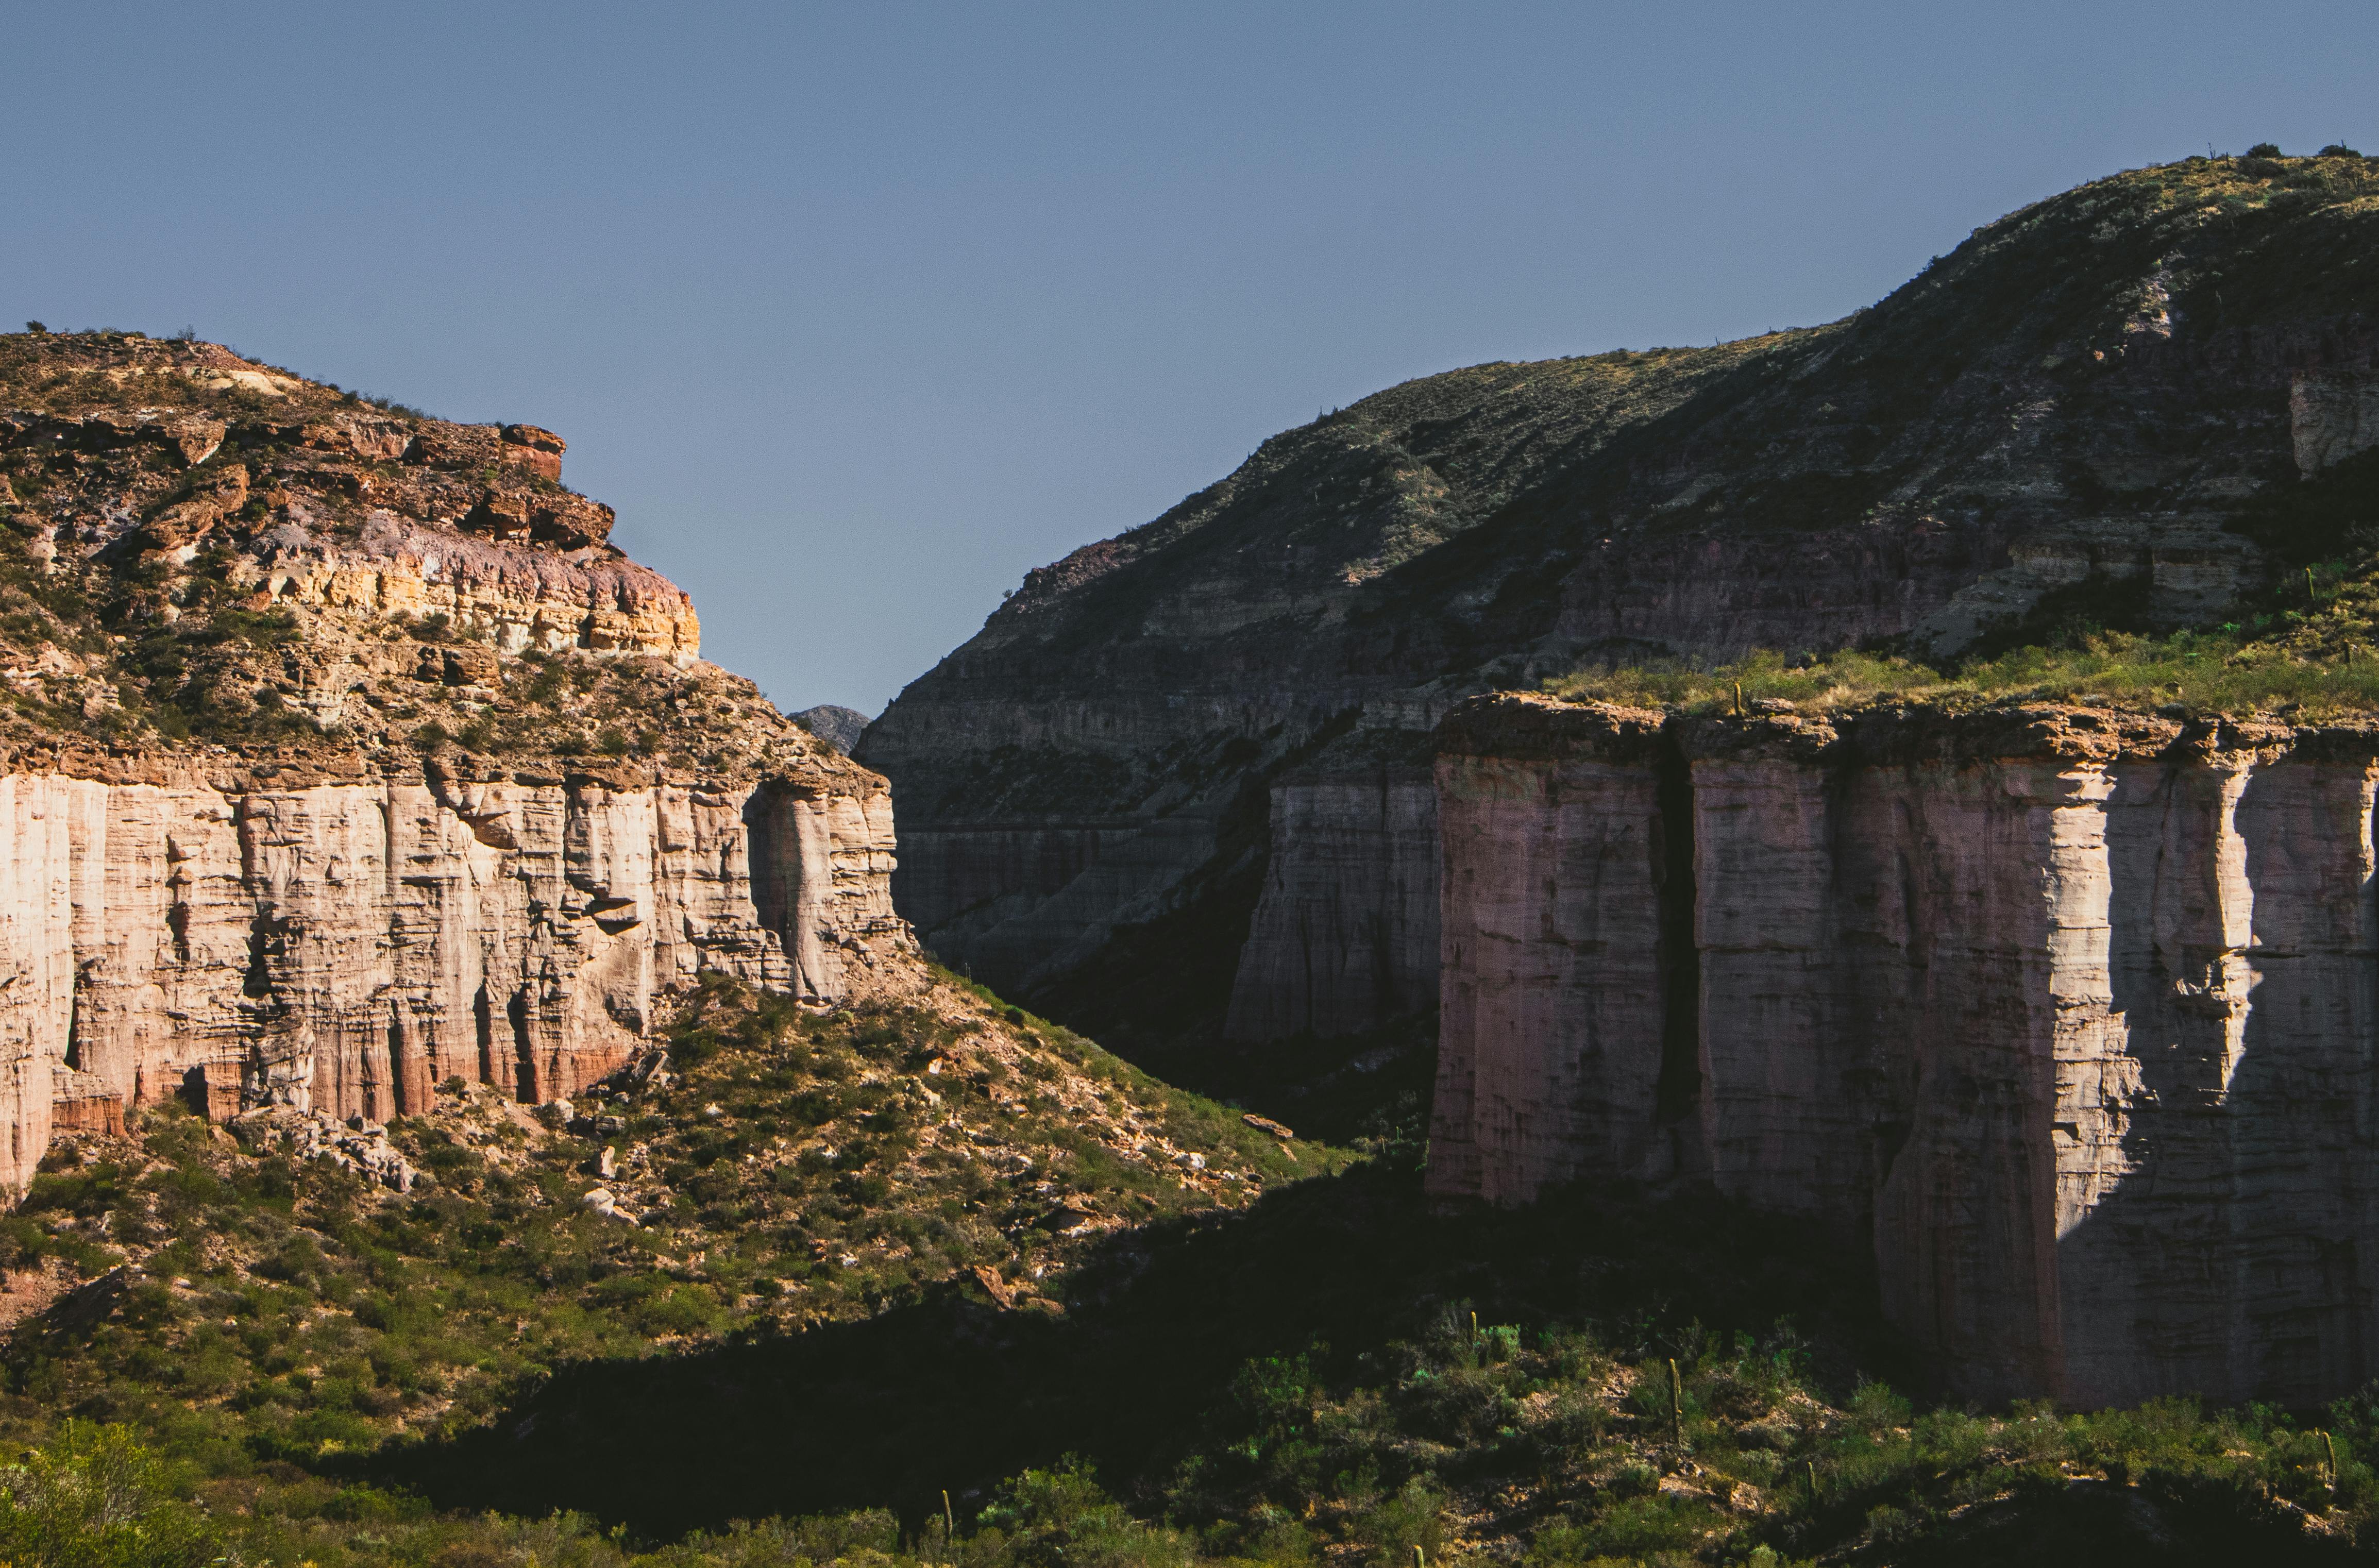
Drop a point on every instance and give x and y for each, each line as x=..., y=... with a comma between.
x=201, y=554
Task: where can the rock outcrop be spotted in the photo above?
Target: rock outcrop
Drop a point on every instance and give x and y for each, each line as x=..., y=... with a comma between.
x=2073, y=1015
x=2085, y=398
x=347, y=757
x=837, y=726
x=1345, y=935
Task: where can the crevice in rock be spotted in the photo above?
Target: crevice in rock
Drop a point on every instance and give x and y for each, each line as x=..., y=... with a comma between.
x=1679, y=959
x=396, y=1062
x=483, y=1022
x=524, y=1056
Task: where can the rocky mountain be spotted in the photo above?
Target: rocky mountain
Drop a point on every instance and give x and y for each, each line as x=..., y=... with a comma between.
x=837, y=726
x=1177, y=785
x=341, y=756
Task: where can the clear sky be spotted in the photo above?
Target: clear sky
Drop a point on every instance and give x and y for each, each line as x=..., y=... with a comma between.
x=857, y=311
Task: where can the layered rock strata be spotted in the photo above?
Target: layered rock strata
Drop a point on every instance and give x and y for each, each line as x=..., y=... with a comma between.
x=1345, y=934
x=345, y=945
x=2073, y=1017
x=343, y=755
x=2084, y=398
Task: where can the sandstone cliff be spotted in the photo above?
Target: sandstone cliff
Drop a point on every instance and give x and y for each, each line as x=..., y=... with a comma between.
x=2088, y=391
x=343, y=756
x=2072, y=1014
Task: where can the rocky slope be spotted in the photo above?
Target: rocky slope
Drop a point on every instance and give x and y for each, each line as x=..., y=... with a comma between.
x=341, y=755
x=2067, y=1013
x=1144, y=748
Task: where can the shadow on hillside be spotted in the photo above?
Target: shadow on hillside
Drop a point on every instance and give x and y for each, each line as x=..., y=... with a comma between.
x=949, y=1393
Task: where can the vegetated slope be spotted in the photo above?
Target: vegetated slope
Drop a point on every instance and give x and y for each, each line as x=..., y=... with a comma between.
x=2102, y=376
x=1328, y=1373
x=784, y=1169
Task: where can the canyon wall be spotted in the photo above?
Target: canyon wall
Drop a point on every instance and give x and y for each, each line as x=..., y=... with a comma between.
x=1344, y=937
x=344, y=945
x=345, y=755
x=2072, y=1017
x=2115, y=394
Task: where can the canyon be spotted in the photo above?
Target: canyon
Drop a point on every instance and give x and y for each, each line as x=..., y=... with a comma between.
x=1152, y=747
x=342, y=757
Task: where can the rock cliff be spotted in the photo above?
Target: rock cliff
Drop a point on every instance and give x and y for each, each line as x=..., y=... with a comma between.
x=2085, y=395
x=343, y=755
x=2072, y=1016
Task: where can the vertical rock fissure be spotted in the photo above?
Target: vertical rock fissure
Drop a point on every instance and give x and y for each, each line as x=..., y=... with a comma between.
x=524, y=1053
x=1679, y=958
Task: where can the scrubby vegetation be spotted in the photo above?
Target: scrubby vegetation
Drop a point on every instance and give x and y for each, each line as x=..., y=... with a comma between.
x=936, y=1282
x=2306, y=645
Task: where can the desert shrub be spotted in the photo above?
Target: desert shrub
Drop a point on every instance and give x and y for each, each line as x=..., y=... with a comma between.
x=1630, y=1529
x=1412, y=1515
x=93, y=1497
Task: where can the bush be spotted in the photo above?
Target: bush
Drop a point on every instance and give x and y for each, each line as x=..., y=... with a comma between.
x=94, y=1498
x=1413, y=1515
x=2264, y=150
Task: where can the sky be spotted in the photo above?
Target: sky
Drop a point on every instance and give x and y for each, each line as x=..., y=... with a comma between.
x=858, y=312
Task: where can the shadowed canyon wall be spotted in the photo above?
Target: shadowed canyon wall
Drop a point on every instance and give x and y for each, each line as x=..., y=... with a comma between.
x=2072, y=1017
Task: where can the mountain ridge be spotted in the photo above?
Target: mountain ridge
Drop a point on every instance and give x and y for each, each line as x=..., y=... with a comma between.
x=2100, y=383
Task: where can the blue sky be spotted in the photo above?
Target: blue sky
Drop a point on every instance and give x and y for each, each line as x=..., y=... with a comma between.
x=857, y=312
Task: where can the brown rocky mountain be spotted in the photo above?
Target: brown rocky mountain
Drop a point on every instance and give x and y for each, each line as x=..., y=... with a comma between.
x=341, y=754
x=837, y=726
x=1177, y=786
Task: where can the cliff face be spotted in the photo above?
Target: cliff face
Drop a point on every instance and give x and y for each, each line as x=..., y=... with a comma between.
x=2074, y=1017
x=2090, y=391
x=346, y=756
x=1345, y=934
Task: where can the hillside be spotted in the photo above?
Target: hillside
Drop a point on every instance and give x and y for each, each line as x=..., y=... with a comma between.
x=199, y=552
x=1032, y=1295
x=2102, y=391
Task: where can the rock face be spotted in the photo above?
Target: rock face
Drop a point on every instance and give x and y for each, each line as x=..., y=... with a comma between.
x=2082, y=398
x=347, y=758
x=1344, y=938
x=343, y=946
x=837, y=726
x=2073, y=1017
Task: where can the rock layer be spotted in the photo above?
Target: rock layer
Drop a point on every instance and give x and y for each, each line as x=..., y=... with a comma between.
x=2083, y=399
x=2073, y=1018
x=345, y=756
x=343, y=947
x=1345, y=935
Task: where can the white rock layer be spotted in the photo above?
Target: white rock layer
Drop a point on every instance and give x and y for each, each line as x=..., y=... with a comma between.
x=345, y=946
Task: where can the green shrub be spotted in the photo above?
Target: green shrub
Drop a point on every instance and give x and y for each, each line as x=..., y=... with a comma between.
x=94, y=1496
x=1413, y=1515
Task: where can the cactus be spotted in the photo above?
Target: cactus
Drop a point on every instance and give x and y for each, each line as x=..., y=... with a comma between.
x=1676, y=1405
